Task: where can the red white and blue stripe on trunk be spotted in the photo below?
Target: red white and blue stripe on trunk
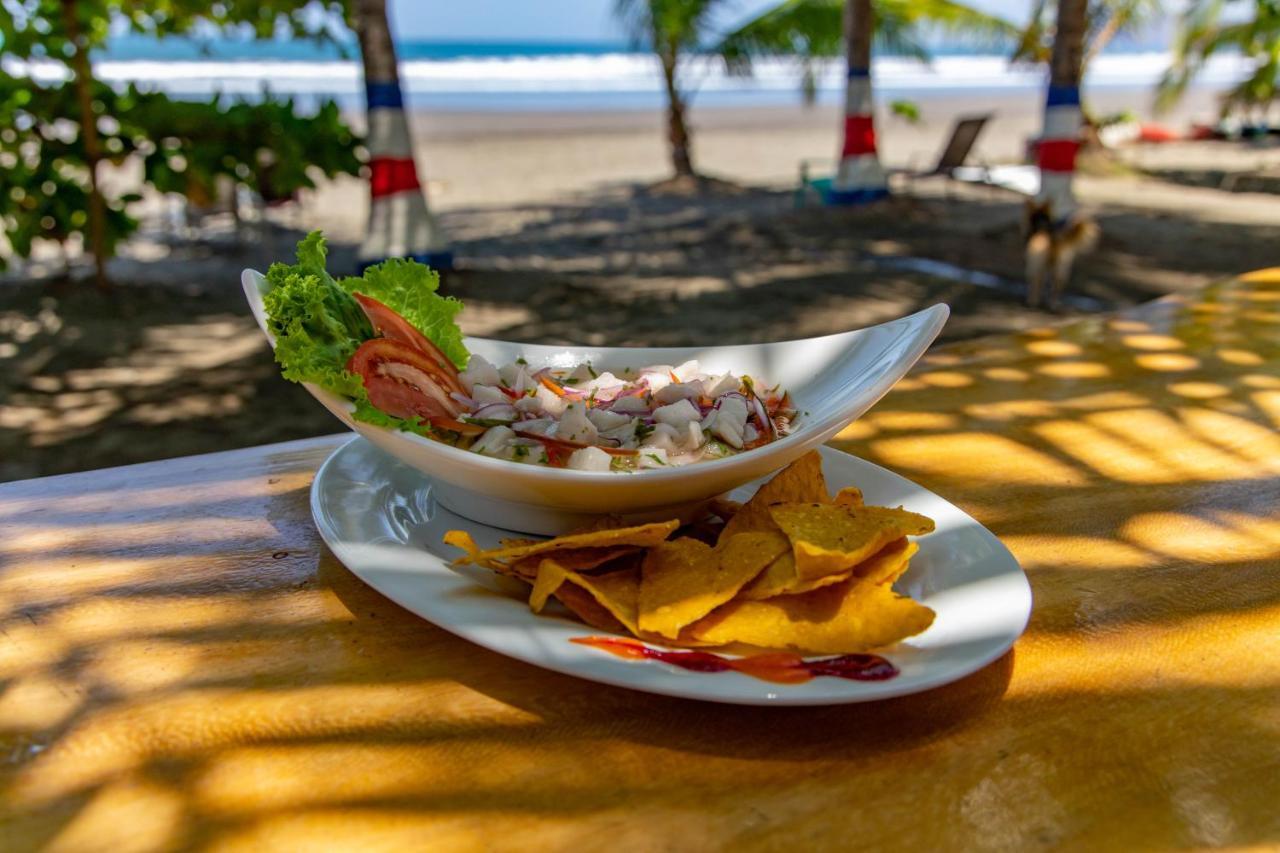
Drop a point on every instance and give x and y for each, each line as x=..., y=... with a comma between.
x=400, y=224
x=1059, y=144
x=859, y=177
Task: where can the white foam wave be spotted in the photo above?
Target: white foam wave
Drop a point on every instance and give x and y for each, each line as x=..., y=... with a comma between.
x=611, y=73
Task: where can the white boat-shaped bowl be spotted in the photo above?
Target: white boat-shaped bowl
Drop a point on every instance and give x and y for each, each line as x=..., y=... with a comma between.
x=832, y=379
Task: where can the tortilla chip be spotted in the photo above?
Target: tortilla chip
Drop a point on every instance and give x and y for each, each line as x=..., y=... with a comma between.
x=574, y=559
x=827, y=539
x=849, y=496
x=852, y=616
x=581, y=604
x=642, y=536
x=724, y=508
x=801, y=481
x=888, y=565
x=779, y=578
x=684, y=579
x=617, y=592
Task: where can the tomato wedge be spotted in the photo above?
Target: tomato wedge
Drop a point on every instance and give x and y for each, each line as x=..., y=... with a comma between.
x=393, y=327
x=405, y=383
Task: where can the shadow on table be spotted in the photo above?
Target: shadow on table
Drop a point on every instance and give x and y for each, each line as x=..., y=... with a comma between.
x=1131, y=464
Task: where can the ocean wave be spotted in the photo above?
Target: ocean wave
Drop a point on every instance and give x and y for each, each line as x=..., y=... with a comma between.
x=613, y=73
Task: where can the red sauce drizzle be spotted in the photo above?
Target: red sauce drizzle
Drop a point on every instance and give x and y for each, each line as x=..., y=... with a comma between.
x=779, y=667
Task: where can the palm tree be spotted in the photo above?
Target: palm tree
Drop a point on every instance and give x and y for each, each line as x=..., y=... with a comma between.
x=1202, y=33
x=816, y=28
x=400, y=224
x=1104, y=20
x=672, y=29
x=1060, y=140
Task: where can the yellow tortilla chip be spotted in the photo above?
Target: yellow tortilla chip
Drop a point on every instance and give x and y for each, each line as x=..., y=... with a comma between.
x=852, y=616
x=888, y=565
x=849, y=496
x=779, y=578
x=827, y=539
x=643, y=536
x=617, y=592
x=799, y=482
x=684, y=579
x=574, y=559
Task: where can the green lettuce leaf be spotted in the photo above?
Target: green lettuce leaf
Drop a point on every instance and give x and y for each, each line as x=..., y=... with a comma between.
x=409, y=288
x=318, y=324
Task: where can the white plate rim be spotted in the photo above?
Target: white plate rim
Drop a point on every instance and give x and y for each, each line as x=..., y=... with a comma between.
x=640, y=675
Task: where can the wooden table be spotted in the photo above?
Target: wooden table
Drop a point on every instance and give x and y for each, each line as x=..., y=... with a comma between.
x=182, y=662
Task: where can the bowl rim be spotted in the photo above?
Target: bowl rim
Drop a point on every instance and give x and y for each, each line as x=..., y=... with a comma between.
x=933, y=318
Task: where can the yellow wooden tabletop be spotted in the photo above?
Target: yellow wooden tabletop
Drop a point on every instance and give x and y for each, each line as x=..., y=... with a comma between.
x=182, y=663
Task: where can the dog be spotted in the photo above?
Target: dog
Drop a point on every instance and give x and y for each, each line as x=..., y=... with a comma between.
x=1052, y=249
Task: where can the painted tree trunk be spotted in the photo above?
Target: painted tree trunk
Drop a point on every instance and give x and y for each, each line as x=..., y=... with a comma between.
x=677, y=130
x=400, y=223
x=859, y=177
x=82, y=83
x=1060, y=140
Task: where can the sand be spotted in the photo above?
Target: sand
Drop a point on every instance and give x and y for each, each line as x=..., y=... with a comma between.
x=561, y=237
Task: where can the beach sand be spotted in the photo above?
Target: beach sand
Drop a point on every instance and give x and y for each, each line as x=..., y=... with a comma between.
x=562, y=236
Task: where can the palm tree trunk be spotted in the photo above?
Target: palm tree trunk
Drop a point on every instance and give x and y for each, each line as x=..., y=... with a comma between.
x=1060, y=140
x=677, y=130
x=82, y=81
x=400, y=223
x=860, y=178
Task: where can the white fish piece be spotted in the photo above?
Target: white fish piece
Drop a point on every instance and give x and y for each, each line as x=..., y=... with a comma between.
x=603, y=384
x=692, y=438
x=589, y=459
x=656, y=377
x=606, y=420
x=553, y=404
x=677, y=414
x=717, y=386
x=731, y=420
x=688, y=370
x=583, y=373
x=486, y=395
x=653, y=457
x=529, y=405
x=479, y=372
x=708, y=420
x=496, y=441
x=576, y=426
x=750, y=434
x=630, y=406
x=538, y=426
x=678, y=391
x=663, y=436
x=626, y=433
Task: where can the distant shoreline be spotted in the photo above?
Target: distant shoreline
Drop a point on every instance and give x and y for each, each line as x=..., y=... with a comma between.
x=619, y=81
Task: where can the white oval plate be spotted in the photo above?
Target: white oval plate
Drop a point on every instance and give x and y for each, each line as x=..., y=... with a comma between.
x=379, y=518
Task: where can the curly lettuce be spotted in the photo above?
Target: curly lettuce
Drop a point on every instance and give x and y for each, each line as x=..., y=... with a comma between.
x=318, y=324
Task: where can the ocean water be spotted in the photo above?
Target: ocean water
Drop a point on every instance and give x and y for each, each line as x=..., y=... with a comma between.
x=503, y=76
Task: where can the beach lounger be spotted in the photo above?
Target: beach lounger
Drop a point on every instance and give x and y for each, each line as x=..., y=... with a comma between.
x=950, y=165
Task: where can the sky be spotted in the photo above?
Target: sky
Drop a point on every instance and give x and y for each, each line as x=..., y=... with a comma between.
x=563, y=20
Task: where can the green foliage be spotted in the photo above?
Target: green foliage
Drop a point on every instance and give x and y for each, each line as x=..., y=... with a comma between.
x=1202, y=33
x=812, y=28
x=909, y=111
x=187, y=148
x=668, y=27
x=1104, y=20
x=409, y=288
x=44, y=183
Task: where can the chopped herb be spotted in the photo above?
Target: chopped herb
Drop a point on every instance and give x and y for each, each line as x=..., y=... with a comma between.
x=521, y=360
x=592, y=371
x=521, y=451
x=569, y=381
x=655, y=458
x=643, y=430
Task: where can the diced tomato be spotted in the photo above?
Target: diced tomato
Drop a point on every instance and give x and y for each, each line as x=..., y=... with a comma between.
x=393, y=327
x=404, y=383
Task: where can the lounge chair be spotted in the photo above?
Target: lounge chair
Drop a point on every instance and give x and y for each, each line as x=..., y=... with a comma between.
x=1024, y=180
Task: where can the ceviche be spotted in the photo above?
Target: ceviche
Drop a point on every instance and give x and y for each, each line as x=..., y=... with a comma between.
x=388, y=342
